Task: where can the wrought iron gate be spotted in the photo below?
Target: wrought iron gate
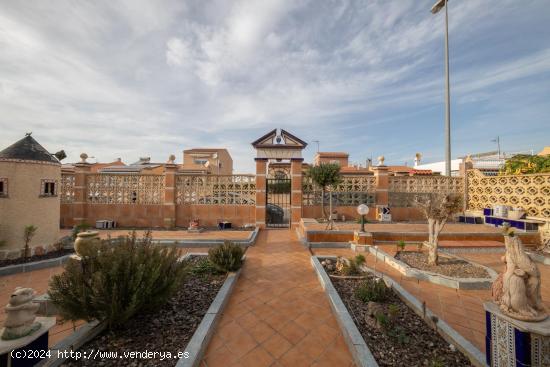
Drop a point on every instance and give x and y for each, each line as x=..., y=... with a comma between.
x=277, y=209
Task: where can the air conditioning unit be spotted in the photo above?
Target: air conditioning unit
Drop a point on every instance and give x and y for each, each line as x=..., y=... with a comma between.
x=105, y=224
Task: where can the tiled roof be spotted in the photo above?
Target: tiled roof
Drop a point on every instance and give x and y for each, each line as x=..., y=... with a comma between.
x=28, y=149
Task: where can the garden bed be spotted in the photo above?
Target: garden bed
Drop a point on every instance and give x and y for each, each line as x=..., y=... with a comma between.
x=34, y=258
x=447, y=265
x=400, y=337
x=168, y=329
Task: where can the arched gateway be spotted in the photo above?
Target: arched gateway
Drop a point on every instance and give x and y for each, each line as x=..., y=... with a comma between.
x=278, y=196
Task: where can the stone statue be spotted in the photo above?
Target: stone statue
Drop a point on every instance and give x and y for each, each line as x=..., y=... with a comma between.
x=517, y=290
x=21, y=314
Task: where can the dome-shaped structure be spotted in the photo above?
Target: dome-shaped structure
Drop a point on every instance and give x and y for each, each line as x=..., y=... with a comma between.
x=28, y=149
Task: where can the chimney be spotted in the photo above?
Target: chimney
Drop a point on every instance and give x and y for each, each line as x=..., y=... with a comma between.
x=119, y=159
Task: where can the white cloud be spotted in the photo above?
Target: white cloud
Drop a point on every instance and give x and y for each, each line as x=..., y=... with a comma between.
x=132, y=78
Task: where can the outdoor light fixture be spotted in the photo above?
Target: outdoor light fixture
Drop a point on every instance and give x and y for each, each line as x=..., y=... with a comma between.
x=363, y=210
x=440, y=4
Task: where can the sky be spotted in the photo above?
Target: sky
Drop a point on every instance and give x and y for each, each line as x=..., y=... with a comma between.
x=151, y=78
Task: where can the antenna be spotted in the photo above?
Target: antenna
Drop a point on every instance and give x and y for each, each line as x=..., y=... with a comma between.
x=317, y=142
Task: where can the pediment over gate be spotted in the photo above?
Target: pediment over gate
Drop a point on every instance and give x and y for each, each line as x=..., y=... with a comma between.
x=279, y=144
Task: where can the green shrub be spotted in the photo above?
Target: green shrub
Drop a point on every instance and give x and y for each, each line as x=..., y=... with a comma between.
x=360, y=259
x=114, y=282
x=204, y=267
x=353, y=265
x=28, y=234
x=400, y=245
x=82, y=227
x=372, y=290
x=227, y=257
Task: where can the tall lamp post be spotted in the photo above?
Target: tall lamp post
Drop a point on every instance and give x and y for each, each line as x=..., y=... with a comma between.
x=440, y=4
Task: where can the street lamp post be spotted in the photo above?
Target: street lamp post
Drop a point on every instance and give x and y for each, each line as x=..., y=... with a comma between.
x=363, y=210
x=440, y=4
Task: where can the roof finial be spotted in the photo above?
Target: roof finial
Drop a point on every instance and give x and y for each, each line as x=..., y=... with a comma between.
x=28, y=134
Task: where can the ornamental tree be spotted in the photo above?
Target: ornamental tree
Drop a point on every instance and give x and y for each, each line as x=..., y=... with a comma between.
x=438, y=208
x=325, y=175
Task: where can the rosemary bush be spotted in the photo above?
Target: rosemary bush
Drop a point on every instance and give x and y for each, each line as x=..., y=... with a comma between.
x=113, y=282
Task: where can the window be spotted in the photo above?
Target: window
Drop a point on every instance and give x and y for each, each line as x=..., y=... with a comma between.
x=48, y=188
x=200, y=161
x=3, y=187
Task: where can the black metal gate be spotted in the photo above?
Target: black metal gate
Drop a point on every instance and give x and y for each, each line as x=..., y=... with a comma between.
x=277, y=209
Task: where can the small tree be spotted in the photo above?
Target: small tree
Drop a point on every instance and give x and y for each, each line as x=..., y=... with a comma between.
x=325, y=175
x=437, y=209
x=29, y=233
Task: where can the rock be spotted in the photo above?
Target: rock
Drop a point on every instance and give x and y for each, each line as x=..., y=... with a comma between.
x=374, y=308
x=452, y=348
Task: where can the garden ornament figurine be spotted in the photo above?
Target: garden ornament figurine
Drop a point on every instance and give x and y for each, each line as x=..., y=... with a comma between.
x=21, y=314
x=517, y=290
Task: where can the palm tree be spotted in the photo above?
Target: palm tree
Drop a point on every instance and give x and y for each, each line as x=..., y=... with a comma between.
x=325, y=175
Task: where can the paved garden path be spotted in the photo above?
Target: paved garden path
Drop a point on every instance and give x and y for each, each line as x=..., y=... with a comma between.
x=278, y=314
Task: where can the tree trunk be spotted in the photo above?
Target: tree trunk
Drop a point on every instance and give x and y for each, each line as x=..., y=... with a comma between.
x=436, y=227
x=433, y=242
x=323, y=203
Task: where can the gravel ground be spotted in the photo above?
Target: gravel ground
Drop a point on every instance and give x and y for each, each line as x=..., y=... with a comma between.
x=169, y=329
x=24, y=260
x=447, y=265
x=416, y=344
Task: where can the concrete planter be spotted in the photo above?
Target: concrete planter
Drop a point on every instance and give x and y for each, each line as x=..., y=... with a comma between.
x=443, y=280
x=359, y=349
x=195, y=348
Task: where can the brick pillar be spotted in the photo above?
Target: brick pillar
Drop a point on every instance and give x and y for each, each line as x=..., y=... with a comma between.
x=261, y=184
x=80, y=210
x=296, y=192
x=169, y=209
x=382, y=186
x=464, y=166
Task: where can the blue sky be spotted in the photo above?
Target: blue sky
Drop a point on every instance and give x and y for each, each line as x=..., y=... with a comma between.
x=151, y=78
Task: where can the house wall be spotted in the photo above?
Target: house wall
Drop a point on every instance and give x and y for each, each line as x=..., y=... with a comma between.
x=25, y=206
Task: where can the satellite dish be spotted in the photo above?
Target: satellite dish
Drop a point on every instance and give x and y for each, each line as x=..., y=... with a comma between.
x=215, y=155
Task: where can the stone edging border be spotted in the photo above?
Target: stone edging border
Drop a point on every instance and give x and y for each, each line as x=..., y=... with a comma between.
x=361, y=353
x=250, y=241
x=31, y=266
x=50, y=263
x=443, y=280
x=201, y=338
x=545, y=260
x=446, y=331
x=195, y=347
x=73, y=342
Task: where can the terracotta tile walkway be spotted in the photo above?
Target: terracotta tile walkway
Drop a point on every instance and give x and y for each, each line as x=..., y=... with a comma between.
x=278, y=314
x=461, y=309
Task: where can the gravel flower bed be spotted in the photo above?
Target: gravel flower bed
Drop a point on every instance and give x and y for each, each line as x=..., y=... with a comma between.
x=409, y=341
x=448, y=266
x=167, y=329
x=30, y=259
